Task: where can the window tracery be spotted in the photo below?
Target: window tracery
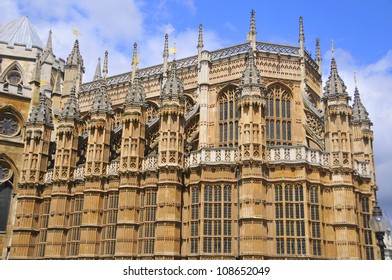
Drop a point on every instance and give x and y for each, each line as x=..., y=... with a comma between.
x=9, y=124
x=290, y=219
x=217, y=223
x=278, y=116
x=152, y=111
x=13, y=77
x=228, y=117
x=5, y=172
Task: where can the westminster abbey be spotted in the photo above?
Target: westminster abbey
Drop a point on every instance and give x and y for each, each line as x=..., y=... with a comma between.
x=237, y=153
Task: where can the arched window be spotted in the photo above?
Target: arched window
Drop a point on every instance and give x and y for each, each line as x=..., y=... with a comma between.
x=278, y=116
x=5, y=194
x=10, y=122
x=228, y=117
x=12, y=78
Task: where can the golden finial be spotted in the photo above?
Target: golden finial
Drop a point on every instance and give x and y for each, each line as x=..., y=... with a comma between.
x=173, y=50
x=332, y=47
x=76, y=32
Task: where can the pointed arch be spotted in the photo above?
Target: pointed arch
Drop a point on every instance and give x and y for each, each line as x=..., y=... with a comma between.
x=228, y=115
x=13, y=110
x=14, y=66
x=278, y=114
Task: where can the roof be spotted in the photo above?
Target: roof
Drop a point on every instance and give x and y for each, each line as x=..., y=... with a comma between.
x=20, y=32
x=215, y=55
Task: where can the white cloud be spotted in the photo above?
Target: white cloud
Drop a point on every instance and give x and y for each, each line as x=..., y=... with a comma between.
x=9, y=10
x=186, y=44
x=374, y=82
x=103, y=26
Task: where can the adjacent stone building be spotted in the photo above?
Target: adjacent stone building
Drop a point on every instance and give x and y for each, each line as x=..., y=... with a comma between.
x=237, y=153
x=24, y=62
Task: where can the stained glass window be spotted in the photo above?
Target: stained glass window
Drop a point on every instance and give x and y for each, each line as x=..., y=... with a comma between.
x=277, y=114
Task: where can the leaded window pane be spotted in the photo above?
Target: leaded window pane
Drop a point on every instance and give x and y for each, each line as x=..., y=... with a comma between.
x=5, y=199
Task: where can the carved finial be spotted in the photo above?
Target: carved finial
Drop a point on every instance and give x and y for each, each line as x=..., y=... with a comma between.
x=301, y=29
x=166, y=47
x=318, y=55
x=355, y=79
x=252, y=28
x=135, y=61
x=165, y=57
x=105, y=65
x=252, y=31
x=318, y=52
x=200, y=44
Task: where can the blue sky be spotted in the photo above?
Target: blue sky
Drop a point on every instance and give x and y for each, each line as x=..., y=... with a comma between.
x=361, y=30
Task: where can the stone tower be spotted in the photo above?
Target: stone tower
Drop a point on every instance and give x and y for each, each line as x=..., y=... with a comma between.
x=253, y=220
x=27, y=229
x=338, y=115
x=170, y=165
x=97, y=159
x=132, y=154
x=73, y=73
x=69, y=127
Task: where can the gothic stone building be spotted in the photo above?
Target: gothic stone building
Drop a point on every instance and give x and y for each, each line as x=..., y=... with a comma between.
x=237, y=153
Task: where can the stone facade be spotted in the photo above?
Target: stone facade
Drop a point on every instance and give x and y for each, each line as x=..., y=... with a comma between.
x=230, y=154
x=24, y=62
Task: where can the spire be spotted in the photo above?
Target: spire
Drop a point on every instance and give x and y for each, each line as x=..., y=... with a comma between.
x=334, y=85
x=101, y=102
x=200, y=43
x=105, y=66
x=301, y=29
x=318, y=55
x=360, y=114
x=75, y=58
x=166, y=47
x=165, y=56
x=97, y=75
x=47, y=55
x=173, y=87
x=49, y=42
x=41, y=113
x=135, y=94
x=301, y=37
x=252, y=30
x=135, y=61
x=71, y=107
